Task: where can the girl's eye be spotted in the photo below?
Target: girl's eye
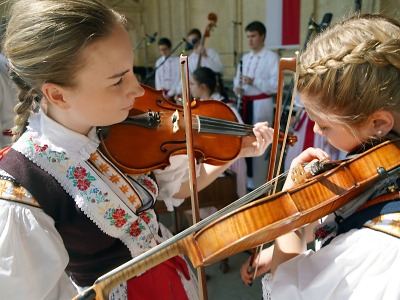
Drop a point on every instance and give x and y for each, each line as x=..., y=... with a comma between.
x=119, y=82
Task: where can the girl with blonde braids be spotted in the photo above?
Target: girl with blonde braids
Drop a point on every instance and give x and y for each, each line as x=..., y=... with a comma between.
x=349, y=84
x=66, y=213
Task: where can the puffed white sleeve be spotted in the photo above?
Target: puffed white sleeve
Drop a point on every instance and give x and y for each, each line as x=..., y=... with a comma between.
x=170, y=179
x=33, y=256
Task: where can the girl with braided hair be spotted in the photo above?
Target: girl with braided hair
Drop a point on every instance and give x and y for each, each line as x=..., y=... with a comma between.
x=67, y=213
x=349, y=79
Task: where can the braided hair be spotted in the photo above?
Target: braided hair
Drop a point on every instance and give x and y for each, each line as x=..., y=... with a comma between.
x=352, y=69
x=43, y=43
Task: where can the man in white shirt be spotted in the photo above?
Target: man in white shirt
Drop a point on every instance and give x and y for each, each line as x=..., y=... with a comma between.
x=257, y=81
x=167, y=70
x=202, y=56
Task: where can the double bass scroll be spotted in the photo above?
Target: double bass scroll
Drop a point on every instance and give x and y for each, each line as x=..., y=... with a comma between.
x=212, y=17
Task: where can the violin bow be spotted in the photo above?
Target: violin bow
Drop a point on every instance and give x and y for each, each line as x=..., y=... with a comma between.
x=184, y=68
x=284, y=64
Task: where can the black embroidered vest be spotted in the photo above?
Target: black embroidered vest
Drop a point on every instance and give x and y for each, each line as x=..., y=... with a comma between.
x=92, y=253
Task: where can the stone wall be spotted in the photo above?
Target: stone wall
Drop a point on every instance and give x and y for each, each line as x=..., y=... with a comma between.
x=174, y=18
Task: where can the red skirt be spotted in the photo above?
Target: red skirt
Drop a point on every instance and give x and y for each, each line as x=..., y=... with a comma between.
x=160, y=282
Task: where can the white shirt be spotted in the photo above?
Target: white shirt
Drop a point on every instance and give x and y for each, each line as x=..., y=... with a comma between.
x=263, y=67
x=212, y=61
x=167, y=75
x=359, y=264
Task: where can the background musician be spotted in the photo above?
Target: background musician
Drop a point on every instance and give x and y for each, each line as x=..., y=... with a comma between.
x=259, y=81
x=208, y=56
x=167, y=69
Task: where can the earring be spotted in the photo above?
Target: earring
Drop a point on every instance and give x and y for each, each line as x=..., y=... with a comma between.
x=379, y=132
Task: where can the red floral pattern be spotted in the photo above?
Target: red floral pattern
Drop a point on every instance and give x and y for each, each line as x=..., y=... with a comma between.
x=150, y=186
x=135, y=229
x=322, y=232
x=145, y=217
x=83, y=184
x=80, y=177
x=40, y=148
x=80, y=172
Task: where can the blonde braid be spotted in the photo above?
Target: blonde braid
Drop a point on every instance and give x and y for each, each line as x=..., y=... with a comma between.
x=353, y=69
x=25, y=107
x=44, y=41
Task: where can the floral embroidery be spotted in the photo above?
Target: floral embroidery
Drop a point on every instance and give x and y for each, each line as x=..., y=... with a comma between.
x=80, y=178
x=322, y=232
x=146, y=216
x=100, y=196
x=40, y=148
x=51, y=156
x=149, y=185
x=118, y=217
x=136, y=228
x=93, y=197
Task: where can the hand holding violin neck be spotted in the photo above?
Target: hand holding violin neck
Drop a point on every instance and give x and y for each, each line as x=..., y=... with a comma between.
x=301, y=173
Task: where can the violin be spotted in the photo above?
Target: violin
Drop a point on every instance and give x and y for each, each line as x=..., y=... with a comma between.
x=155, y=129
x=263, y=220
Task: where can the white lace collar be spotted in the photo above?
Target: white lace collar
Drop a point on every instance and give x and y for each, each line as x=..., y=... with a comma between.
x=60, y=138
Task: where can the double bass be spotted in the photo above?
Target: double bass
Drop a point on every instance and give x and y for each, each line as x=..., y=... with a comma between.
x=212, y=17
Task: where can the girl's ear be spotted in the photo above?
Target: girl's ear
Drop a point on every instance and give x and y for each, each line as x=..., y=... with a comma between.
x=54, y=93
x=383, y=122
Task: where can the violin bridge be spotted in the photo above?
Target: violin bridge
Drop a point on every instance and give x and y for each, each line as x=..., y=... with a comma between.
x=175, y=121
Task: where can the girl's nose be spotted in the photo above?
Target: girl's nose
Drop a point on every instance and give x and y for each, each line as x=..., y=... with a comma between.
x=137, y=89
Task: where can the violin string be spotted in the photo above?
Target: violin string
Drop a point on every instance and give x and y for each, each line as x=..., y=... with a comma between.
x=261, y=190
x=212, y=125
x=254, y=194
x=201, y=224
x=228, y=123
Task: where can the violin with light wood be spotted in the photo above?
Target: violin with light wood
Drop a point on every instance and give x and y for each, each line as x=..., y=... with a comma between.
x=243, y=225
